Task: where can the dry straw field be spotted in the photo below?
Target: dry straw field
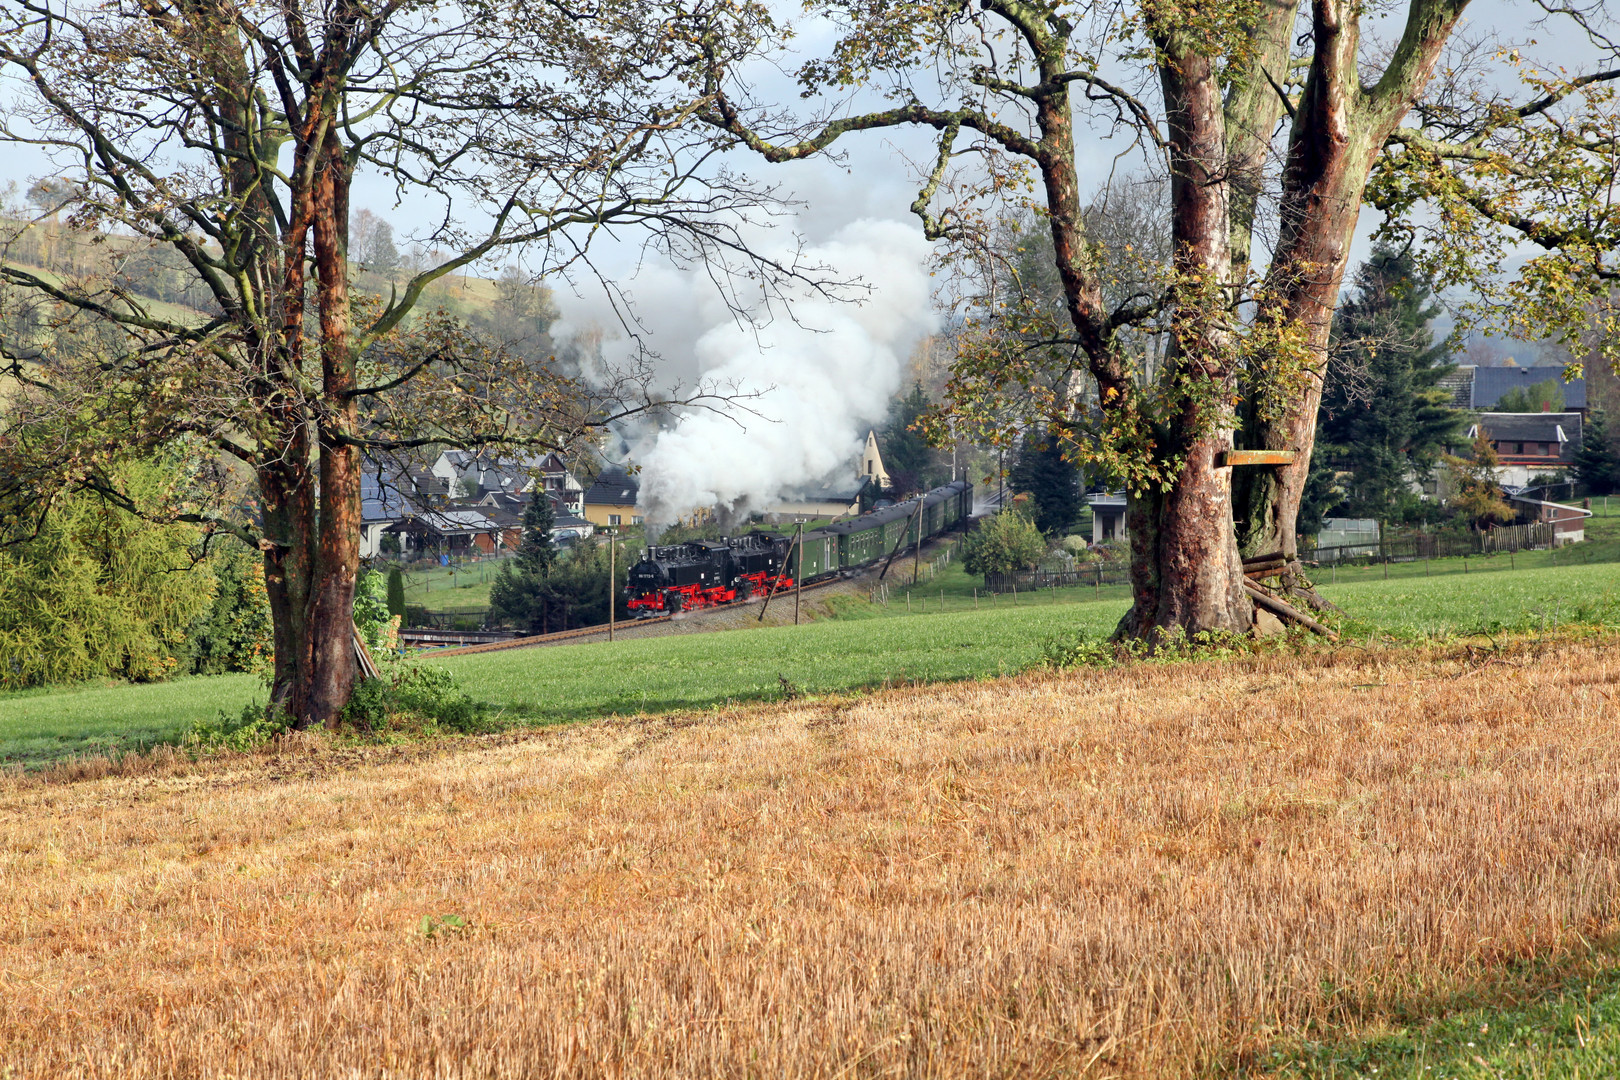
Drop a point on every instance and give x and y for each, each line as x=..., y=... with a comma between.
x=1149, y=871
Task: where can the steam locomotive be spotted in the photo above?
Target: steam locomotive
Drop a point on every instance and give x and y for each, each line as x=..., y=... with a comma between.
x=706, y=573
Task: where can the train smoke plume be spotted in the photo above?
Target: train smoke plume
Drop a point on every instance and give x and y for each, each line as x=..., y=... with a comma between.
x=825, y=376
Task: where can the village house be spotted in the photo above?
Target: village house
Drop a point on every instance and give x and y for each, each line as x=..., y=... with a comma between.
x=390, y=494
x=611, y=501
x=822, y=501
x=836, y=498
x=1481, y=388
x=471, y=475
x=458, y=533
x=1530, y=444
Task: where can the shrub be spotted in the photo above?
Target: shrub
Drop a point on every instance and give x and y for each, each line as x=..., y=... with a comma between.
x=1476, y=495
x=1004, y=543
x=235, y=633
x=413, y=695
x=257, y=725
x=371, y=607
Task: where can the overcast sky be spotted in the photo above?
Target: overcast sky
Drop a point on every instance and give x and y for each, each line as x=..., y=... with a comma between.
x=873, y=182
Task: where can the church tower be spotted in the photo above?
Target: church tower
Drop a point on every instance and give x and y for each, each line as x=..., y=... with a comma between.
x=871, y=462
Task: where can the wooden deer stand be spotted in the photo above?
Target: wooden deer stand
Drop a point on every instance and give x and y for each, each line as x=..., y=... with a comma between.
x=1273, y=563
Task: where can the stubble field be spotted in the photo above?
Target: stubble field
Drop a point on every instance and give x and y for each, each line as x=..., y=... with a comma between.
x=1154, y=870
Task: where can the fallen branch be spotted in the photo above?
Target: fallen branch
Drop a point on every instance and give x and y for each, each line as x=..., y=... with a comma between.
x=362, y=656
x=1286, y=611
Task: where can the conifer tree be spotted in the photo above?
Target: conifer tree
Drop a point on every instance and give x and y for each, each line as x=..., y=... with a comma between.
x=1385, y=421
x=536, y=553
x=912, y=464
x=396, y=591
x=1052, y=483
x=523, y=594
x=1597, y=464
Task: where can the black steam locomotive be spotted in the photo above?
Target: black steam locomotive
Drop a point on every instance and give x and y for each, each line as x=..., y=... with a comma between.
x=703, y=573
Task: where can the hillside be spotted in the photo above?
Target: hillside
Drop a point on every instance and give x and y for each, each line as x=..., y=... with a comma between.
x=168, y=288
x=1149, y=871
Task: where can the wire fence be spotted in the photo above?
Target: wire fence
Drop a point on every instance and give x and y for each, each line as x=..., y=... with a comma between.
x=1536, y=535
x=1505, y=540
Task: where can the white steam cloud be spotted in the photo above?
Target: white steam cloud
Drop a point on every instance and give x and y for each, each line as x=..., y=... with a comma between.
x=825, y=376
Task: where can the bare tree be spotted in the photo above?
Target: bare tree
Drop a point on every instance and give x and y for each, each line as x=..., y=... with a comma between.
x=1237, y=103
x=371, y=245
x=230, y=131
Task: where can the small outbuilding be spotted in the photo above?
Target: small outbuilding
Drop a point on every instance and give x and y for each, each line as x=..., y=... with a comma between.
x=458, y=532
x=1107, y=517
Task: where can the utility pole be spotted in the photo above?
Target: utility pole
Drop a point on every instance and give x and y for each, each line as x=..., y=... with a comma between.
x=798, y=577
x=613, y=575
x=916, y=559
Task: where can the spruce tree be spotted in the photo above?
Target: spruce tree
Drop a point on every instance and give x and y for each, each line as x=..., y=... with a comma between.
x=1052, y=483
x=912, y=464
x=1384, y=421
x=522, y=594
x=1597, y=464
x=536, y=554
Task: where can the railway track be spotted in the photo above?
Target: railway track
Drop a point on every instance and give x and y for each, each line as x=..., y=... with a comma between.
x=600, y=630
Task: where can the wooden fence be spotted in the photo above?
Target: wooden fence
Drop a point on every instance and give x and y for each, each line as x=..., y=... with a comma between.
x=1096, y=575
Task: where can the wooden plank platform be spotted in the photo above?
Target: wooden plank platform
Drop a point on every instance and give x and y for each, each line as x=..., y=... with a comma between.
x=1227, y=459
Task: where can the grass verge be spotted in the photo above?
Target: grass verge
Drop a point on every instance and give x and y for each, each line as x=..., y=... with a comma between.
x=1572, y=1033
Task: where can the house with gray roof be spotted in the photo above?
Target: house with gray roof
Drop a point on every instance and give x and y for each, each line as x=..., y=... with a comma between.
x=1473, y=387
x=1530, y=444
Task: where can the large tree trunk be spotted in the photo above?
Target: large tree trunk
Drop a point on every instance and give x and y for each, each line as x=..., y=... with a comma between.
x=1186, y=573
x=312, y=530
x=1339, y=128
x=286, y=493
x=331, y=617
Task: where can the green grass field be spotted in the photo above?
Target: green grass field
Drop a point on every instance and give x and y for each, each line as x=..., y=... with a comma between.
x=1572, y=1033
x=834, y=655
x=706, y=670
x=444, y=590
x=60, y=721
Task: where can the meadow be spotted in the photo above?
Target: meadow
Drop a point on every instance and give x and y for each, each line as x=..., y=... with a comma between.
x=709, y=671
x=1281, y=864
x=1566, y=1032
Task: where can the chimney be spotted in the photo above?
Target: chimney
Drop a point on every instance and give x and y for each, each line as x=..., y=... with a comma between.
x=1546, y=406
